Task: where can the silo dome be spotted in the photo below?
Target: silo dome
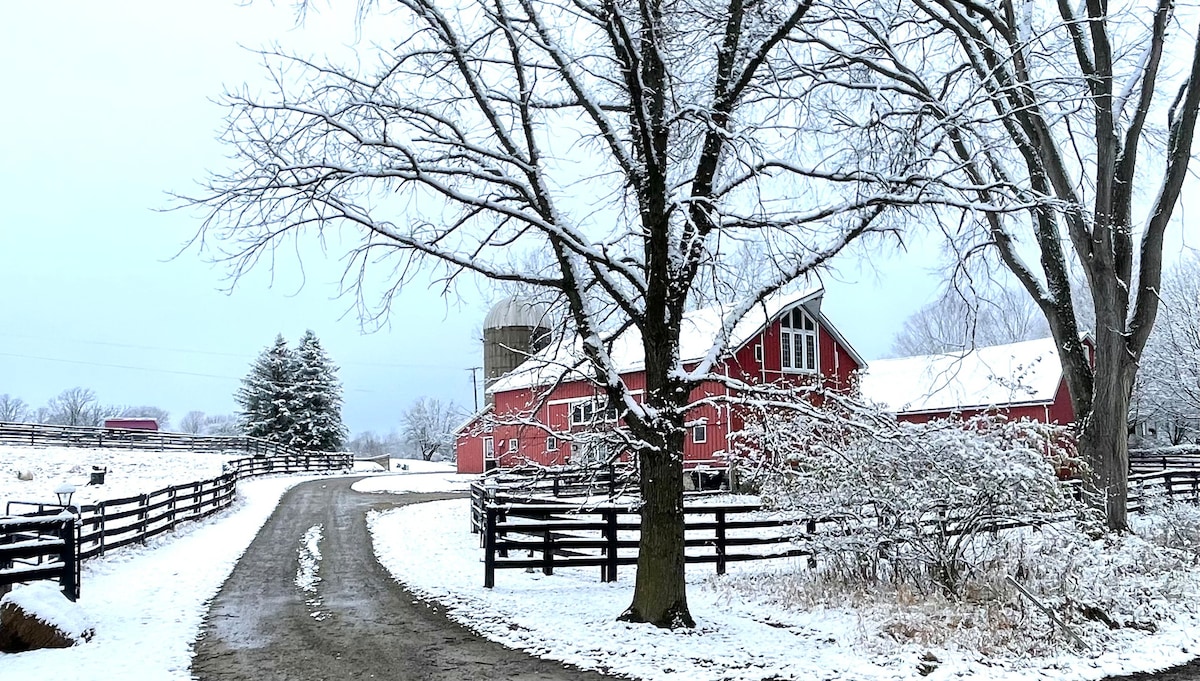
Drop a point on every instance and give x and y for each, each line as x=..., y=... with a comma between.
x=513, y=330
x=513, y=311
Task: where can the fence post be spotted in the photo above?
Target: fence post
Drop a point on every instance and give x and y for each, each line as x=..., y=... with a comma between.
x=610, y=536
x=143, y=516
x=547, y=553
x=720, y=542
x=489, y=548
x=103, y=530
x=811, y=528
x=171, y=508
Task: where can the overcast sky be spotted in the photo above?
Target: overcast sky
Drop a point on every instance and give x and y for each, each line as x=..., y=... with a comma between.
x=109, y=106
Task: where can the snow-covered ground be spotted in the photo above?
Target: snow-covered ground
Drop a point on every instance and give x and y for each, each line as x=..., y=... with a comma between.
x=147, y=602
x=571, y=616
x=130, y=472
x=417, y=476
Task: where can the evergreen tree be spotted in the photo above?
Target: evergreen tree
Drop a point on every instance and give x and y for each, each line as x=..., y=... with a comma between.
x=267, y=395
x=318, y=399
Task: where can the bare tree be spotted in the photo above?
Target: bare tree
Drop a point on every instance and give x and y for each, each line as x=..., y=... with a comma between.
x=1035, y=115
x=13, y=408
x=429, y=427
x=634, y=145
x=959, y=321
x=192, y=422
x=226, y=425
x=75, y=407
x=1167, y=390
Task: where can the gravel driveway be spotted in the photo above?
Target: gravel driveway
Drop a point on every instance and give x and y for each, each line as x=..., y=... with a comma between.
x=359, y=623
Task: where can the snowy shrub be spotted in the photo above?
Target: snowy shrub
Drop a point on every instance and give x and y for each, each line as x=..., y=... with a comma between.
x=912, y=504
x=1170, y=523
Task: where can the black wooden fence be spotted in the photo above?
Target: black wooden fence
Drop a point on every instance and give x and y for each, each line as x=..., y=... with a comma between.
x=113, y=523
x=518, y=533
x=40, y=547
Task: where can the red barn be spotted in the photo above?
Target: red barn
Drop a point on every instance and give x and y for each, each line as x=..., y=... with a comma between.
x=563, y=419
x=1020, y=380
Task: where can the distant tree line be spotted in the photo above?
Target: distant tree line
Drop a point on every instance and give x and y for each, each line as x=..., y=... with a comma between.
x=76, y=406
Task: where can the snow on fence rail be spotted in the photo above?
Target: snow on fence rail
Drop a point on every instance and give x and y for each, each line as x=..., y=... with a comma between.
x=1164, y=458
x=113, y=523
x=37, y=434
x=518, y=531
x=37, y=548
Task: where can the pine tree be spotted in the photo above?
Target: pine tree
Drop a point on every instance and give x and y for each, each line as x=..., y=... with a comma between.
x=267, y=394
x=318, y=399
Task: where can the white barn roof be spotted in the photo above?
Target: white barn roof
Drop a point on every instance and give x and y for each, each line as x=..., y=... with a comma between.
x=564, y=360
x=1002, y=375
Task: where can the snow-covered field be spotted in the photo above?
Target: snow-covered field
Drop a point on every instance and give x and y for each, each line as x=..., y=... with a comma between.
x=417, y=476
x=130, y=472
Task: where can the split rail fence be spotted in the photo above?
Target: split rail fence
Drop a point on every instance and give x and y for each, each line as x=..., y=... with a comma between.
x=49, y=543
x=518, y=531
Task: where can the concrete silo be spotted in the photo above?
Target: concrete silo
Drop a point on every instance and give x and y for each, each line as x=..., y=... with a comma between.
x=513, y=330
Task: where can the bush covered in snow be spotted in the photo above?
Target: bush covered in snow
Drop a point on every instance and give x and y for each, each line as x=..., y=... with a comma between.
x=910, y=504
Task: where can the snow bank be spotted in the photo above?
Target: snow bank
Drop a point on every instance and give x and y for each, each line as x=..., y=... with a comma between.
x=46, y=602
x=421, y=476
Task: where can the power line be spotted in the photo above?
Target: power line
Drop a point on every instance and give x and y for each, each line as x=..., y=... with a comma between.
x=117, y=366
x=242, y=356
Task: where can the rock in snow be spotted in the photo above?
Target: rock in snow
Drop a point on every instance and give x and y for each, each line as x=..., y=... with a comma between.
x=40, y=616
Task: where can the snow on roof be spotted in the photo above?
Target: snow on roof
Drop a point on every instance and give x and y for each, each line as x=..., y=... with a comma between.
x=1018, y=373
x=564, y=360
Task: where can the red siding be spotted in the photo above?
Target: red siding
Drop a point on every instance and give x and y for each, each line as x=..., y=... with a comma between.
x=836, y=367
x=1059, y=411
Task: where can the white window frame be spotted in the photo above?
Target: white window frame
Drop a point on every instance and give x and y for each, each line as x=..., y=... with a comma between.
x=551, y=443
x=795, y=343
x=758, y=353
x=489, y=448
x=591, y=410
x=700, y=433
x=513, y=444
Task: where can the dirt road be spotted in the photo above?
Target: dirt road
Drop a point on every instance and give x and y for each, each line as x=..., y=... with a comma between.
x=359, y=623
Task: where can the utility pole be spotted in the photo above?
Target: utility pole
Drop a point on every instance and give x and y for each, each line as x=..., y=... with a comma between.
x=474, y=387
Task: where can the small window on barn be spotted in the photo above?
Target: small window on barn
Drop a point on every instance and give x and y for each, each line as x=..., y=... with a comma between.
x=582, y=412
x=489, y=448
x=758, y=353
x=551, y=444
x=700, y=433
x=798, y=342
x=512, y=445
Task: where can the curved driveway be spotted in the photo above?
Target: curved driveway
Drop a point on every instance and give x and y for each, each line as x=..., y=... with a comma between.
x=359, y=624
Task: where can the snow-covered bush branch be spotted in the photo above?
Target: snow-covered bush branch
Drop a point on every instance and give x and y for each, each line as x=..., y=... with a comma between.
x=911, y=503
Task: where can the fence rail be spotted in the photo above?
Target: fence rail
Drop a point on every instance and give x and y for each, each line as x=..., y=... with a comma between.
x=519, y=533
x=43, y=435
x=1163, y=458
x=114, y=523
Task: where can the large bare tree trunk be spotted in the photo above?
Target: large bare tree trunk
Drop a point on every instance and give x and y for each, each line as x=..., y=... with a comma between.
x=659, y=592
x=1103, y=432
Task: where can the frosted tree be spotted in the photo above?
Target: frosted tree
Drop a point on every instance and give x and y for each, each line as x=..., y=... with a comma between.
x=639, y=150
x=961, y=320
x=316, y=399
x=267, y=394
x=1167, y=391
x=1065, y=131
x=13, y=409
x=429, y=427
x=76, y=406
x=192, y=422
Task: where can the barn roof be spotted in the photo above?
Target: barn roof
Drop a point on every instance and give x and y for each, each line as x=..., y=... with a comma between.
x=563, y=361
x=1022, y=373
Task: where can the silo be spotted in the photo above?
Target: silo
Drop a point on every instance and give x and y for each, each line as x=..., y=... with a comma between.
x=513, y=330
